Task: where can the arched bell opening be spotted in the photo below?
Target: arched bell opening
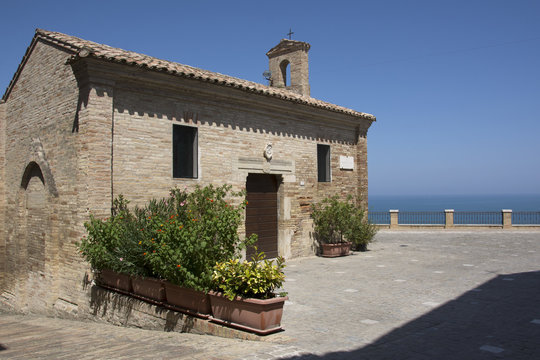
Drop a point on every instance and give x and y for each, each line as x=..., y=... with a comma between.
x=285, y=72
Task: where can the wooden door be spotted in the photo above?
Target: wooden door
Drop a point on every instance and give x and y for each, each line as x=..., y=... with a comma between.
x=261, y=213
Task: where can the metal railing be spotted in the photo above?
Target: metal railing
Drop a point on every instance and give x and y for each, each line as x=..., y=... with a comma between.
x=478, y=218
x=526, y=218
x=421, y=218
x=449, y=218
x=379, y=217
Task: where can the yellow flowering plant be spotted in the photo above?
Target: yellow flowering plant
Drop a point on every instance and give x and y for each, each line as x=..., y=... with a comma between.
x=258, y=278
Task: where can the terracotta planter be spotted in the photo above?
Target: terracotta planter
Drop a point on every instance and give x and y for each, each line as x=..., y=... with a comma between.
x=260, y=316
x=149, y=288
x=115, y=280
x=335, y=250
x=188, y=299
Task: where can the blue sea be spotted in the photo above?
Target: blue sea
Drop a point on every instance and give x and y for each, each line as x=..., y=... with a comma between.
x=456, y=202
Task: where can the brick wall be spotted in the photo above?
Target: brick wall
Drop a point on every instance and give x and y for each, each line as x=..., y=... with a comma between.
x=297, y=58
x=43, y=220
x=2, y=195
x=229, y=131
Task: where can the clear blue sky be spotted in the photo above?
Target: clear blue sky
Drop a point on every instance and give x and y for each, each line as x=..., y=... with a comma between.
x=455, y=85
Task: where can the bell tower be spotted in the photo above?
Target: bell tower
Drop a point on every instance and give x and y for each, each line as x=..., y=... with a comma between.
x=289, y=60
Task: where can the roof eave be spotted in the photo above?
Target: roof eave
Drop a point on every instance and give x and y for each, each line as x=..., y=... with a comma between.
x=256, y=88
x=19, y=68
x=37, y=36
x=81, y=49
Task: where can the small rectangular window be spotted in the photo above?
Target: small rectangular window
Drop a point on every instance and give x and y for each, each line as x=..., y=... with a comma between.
x=323, y=163
x=185, y=145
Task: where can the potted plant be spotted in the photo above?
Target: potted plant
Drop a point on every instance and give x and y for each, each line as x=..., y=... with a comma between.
x=361, y=231
x=185, y=235
x=338, y=224
x=330, y=219
x=168, y=248
x=245, y=295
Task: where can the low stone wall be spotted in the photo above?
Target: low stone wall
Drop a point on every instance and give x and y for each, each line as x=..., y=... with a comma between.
x=115, y=308
x=123, y=310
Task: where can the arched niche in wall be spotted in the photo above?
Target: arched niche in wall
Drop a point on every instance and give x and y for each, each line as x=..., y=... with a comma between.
x=35, y=221
x=31, y=170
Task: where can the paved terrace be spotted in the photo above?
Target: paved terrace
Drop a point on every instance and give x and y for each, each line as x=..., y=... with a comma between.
x=415, y=295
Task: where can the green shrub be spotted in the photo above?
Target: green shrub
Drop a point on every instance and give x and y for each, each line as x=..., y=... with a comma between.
x=179, y=238
x=361, y=231
x=113, y=243
x=197, y=230
x=337, y=221
x=250, y=279
x=331, y=220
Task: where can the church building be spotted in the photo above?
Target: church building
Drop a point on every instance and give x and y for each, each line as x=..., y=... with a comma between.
x=82, y=122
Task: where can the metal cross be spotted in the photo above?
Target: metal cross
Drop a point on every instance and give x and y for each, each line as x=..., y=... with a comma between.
x=290, y=33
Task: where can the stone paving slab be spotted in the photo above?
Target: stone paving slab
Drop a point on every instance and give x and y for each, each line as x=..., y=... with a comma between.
x=414, y=295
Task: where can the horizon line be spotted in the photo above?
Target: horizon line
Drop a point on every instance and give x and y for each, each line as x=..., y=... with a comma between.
x=459, y=194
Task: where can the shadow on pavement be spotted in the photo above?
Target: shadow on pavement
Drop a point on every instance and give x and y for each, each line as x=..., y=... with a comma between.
x=499, y=319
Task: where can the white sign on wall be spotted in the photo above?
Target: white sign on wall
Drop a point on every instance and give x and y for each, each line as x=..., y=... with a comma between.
x=346, y=163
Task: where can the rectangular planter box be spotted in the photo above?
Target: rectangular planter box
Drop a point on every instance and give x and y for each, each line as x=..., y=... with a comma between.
x=188, y=299
x=115, y=280
x=150, y=288
x=260, y=316
x=335, y=250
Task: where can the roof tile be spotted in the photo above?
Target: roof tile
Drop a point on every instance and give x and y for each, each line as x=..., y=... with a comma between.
x=112, y=54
